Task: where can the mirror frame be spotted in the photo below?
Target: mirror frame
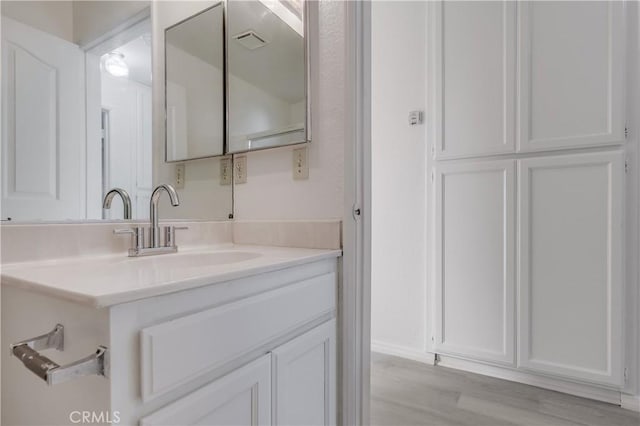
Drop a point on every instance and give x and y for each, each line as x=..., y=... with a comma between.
x=307, y=84
x=225, y=101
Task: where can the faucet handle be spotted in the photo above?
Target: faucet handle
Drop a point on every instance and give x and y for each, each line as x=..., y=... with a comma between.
x=170, y=234
x=137, y=235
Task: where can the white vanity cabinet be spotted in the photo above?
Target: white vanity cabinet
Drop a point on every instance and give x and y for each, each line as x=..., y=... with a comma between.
x=259, y=349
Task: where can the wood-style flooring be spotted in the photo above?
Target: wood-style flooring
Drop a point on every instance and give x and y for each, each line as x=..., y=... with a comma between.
x=405, y=393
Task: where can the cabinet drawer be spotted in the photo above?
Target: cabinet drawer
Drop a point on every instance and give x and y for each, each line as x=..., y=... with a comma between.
x=227, y=332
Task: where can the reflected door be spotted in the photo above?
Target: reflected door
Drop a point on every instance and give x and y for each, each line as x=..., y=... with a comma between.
x=43, y=125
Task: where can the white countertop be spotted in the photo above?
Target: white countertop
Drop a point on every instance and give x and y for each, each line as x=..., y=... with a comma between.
x=109, y=280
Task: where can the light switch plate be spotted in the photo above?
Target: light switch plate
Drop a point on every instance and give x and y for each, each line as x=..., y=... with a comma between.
x=240, y=169
x=301, y=163
x=226, y=171
x=180, y=171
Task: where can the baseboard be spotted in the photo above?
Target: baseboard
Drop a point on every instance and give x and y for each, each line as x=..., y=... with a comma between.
x=630, y=402
x=581, y=390
x=403, y=352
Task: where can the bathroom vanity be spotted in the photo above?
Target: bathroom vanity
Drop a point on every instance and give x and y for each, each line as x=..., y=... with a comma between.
x=227, y=334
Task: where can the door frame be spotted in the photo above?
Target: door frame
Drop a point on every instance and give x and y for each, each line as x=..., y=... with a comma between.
x=355, y=290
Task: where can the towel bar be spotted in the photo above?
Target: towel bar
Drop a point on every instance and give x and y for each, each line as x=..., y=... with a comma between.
x=50, y=371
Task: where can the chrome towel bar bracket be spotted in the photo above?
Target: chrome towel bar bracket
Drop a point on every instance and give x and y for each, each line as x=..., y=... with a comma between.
x=50, y=371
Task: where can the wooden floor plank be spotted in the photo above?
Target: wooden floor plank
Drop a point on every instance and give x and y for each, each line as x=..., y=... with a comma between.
x=408, y=393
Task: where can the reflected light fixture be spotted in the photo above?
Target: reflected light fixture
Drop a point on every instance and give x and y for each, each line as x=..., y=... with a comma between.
x=114, y=64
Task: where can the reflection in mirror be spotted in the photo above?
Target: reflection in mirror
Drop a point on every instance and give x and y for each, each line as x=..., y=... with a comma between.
x=76, y=102
x=266, y=74
x=194, y=55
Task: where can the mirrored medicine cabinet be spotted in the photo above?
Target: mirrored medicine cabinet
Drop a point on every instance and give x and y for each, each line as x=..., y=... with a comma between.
x=236, y=79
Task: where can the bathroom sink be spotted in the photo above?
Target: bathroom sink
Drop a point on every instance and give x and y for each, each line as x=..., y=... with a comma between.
x=200, y=259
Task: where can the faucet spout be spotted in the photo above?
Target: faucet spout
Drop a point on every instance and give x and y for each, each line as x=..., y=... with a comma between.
x=126, y=201
x=153, y=210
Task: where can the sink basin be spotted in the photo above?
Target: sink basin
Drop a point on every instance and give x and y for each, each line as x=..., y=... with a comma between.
x=197, y=260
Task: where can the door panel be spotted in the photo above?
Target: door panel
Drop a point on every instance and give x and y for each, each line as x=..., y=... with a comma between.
x=570, y=272
x=474, y=294
x=475, y=73
x=305, y=379
x=43, y=125
x=241, y=398
x=572, y=73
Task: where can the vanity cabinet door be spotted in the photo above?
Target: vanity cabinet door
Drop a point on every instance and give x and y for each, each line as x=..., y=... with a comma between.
x=243, y=397
x=304, y=373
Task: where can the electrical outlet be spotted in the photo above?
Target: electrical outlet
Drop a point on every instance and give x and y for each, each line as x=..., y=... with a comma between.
x=240, y=169
x=226, y=171
x=300, y=163
x=180, y=170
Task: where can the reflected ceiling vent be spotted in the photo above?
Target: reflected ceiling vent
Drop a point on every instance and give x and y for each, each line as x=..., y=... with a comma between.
x=250, y=40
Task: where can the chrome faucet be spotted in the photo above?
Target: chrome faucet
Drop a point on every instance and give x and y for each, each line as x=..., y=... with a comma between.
x=153, y=210
x=126, y=200
x=155, y=246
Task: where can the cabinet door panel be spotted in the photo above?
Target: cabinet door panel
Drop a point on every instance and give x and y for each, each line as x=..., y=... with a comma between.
x=571, y=74
x=474, y=63
x=570, y=266
x=474, y=292
x=305, y=379
x=241, y=398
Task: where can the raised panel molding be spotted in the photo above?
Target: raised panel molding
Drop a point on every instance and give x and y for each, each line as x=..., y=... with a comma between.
x=474, y=70
x=304, y=378
x=31, y=157
x=474, y=260
x=570, y=266
x=241, y=397
x=571, y=74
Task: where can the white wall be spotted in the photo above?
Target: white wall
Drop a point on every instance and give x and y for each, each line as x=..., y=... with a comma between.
x=270, y=191
x=203, y=87
x=398, y=276
x=53, y=17
x=253, y=110
x=91, y=19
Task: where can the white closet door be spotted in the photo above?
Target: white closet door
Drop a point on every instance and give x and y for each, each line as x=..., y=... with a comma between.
x=570, y=275
x=474, y=70
x=474, y=292
x=571, y=74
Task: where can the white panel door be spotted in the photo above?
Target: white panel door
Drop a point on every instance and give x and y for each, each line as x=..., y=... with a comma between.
x=304, y=371
x=474, y=68
x=571, y=74
x=474, y=246
x=570, y=275
x=43, y=125
x=241, y=398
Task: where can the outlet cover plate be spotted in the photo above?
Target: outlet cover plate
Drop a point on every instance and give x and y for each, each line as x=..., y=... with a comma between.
x=301, y=163
x=180, y=171
x=226, y=171
x=240, y=169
